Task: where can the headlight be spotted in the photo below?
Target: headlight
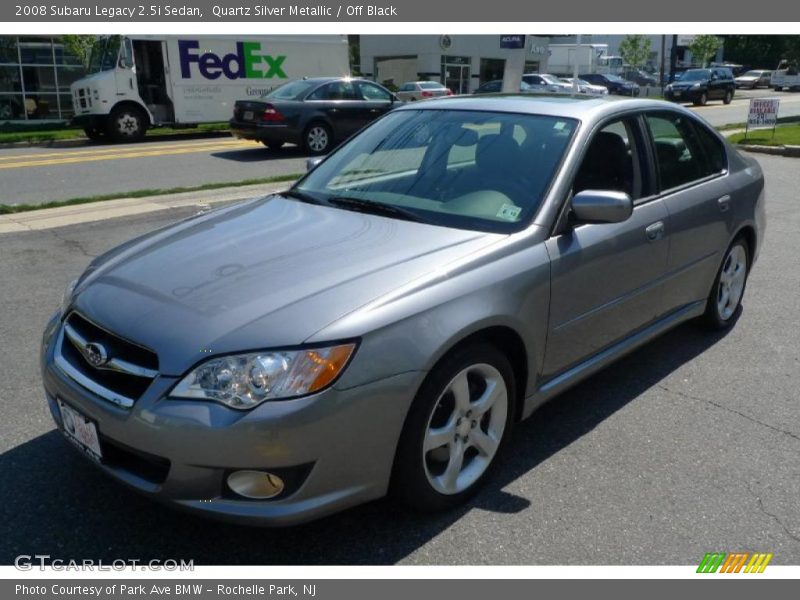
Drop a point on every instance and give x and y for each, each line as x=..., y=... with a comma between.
x=66, y=299
x=695, y=86
x=246, y=380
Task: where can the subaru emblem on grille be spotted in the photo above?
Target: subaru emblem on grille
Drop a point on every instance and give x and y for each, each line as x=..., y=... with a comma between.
x=95, y=354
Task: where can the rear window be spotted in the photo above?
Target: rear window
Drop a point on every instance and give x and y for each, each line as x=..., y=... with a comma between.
x=431, y=85
x=289, y=91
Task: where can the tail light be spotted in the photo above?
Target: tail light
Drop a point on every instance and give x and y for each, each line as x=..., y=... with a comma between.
x=449, y=92
x=271, y=114
x=427, y=95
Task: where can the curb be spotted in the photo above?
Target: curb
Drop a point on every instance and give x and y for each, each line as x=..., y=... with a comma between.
x=790, y=151
x=49, y=218
x=84, y=141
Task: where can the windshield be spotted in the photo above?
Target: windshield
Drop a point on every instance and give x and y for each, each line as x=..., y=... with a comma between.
x=472, y=170
x=549, y=78
x=103, y=56
x=752, y=74
x=696, y=75
x=290, y=91
x=614, y=78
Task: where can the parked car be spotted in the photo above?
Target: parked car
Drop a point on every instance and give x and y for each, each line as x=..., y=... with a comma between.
x=613, y=83
x=315, y=113
x=754, y=79
x=422, y=90
x=584, y=87
x=642, y=78
x=544, y=82
x=382, y=324
x=701, y=85
x=496, y=85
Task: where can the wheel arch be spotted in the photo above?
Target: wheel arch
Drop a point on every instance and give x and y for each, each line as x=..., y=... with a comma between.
x=133, y=104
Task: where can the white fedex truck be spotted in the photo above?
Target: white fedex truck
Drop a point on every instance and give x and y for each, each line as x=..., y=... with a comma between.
x=138, y=82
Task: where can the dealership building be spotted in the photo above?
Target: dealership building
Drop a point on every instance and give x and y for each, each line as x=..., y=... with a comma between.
x=461, y=62
x=35, y=75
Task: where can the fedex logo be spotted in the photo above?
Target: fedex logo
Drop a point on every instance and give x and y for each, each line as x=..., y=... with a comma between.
x=246, y=63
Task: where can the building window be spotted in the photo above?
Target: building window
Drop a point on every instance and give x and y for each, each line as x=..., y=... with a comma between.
x=491, y=69
x=35, y=75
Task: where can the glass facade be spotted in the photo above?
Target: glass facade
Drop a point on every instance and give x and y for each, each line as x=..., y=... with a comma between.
x=35, y=75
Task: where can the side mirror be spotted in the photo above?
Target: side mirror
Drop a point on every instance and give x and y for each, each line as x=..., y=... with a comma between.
x=601, y=206
x=312, y=163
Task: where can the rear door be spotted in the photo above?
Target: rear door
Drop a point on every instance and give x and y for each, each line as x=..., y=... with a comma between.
x=340, y=104
x=606, y=278
x=691, y=169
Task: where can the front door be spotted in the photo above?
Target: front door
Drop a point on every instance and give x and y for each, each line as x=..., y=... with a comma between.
x=456, y=74
x=605, y=278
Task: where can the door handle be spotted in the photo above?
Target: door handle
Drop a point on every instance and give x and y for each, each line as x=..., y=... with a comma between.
x=655, y=231
x=373, y=110
x=724, y=203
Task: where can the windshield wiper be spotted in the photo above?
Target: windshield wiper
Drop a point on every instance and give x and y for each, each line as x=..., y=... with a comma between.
x=302, y=196
x=375, y=208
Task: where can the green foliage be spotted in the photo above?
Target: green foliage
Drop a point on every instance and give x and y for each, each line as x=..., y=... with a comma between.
x=80, y=46
x=635, y=49
x=704, y=47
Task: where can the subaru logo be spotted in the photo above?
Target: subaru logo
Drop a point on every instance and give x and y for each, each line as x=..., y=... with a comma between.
x=95, y=354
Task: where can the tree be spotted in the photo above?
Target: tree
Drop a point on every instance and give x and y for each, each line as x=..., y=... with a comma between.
x=635, y=50
x=79, y=46
x=704, y=47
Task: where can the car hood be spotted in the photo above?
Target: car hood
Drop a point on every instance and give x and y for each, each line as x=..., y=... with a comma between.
x=268, y=273
x=687, y=84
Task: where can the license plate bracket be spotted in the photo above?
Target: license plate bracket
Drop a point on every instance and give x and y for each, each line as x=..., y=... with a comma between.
x=80, y=430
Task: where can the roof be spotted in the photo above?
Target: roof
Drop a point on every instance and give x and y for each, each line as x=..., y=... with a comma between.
x=559, y=105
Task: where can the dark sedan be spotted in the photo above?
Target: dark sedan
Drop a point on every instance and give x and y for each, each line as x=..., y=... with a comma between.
x=613, y=83
x=314, y=113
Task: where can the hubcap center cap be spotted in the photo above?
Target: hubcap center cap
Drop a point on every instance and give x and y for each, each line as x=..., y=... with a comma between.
x=463, y=427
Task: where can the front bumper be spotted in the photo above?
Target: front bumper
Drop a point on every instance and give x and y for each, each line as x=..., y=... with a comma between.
x=335, y=448
x=683, y=94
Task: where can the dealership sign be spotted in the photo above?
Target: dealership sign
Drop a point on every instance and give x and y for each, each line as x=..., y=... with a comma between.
x=247, y=62
x=512, y=41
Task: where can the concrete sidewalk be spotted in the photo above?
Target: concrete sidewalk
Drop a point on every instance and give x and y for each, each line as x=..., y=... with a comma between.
x=48, y=218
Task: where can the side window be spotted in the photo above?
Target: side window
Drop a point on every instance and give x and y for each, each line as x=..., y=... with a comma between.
x=713, y=150
x=370, y=91
x=338, y=90
x=681, y=154
x=611, y=162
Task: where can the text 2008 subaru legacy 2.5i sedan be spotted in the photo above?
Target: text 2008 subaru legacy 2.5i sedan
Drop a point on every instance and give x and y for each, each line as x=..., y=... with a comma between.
x=381, y=325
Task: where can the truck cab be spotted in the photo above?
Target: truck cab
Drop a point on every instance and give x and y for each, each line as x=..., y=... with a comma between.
x=125, y=91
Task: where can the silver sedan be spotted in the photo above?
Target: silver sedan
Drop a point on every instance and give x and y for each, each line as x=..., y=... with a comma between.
x=383, y=324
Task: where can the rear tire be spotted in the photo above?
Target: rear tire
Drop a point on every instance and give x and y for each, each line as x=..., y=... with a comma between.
x=126, y=124
x=456, y=429
x=317, y=139
x=728, y=97
x=725, y=299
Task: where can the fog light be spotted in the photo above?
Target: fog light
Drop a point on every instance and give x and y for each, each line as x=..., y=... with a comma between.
x=257, y=485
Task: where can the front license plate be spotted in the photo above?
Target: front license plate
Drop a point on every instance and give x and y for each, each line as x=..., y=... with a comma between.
x=677, y=94
x=248, y=115
x=80, y=430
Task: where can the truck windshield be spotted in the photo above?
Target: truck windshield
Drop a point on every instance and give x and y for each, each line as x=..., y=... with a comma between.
x=104, y=53
x=486, y=171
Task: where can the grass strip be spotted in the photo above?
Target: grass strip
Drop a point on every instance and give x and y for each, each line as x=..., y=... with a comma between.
x=7, y=209
x=787, y=135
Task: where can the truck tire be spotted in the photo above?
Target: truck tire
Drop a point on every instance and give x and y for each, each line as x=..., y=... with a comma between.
x=95, y=134
x=126, y=124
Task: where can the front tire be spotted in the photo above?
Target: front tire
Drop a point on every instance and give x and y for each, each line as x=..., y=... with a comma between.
x=317, y=139
x=126, y=124
x=728, y=97
x=725, y=300
x=456, y=429
x=702, y=100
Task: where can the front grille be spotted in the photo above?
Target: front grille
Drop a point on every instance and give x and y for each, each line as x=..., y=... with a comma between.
x=149, y=467
x=112, y=367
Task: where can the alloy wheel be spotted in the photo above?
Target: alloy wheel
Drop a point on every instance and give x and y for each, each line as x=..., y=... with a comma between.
x=731, y=281
x=465, y=429
x=317, y=138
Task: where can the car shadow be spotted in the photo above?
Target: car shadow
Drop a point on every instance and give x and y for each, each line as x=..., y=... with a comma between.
x=54, y=503
x=260, y=154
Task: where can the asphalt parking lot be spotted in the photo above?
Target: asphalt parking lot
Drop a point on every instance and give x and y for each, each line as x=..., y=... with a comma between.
x=690, y=445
